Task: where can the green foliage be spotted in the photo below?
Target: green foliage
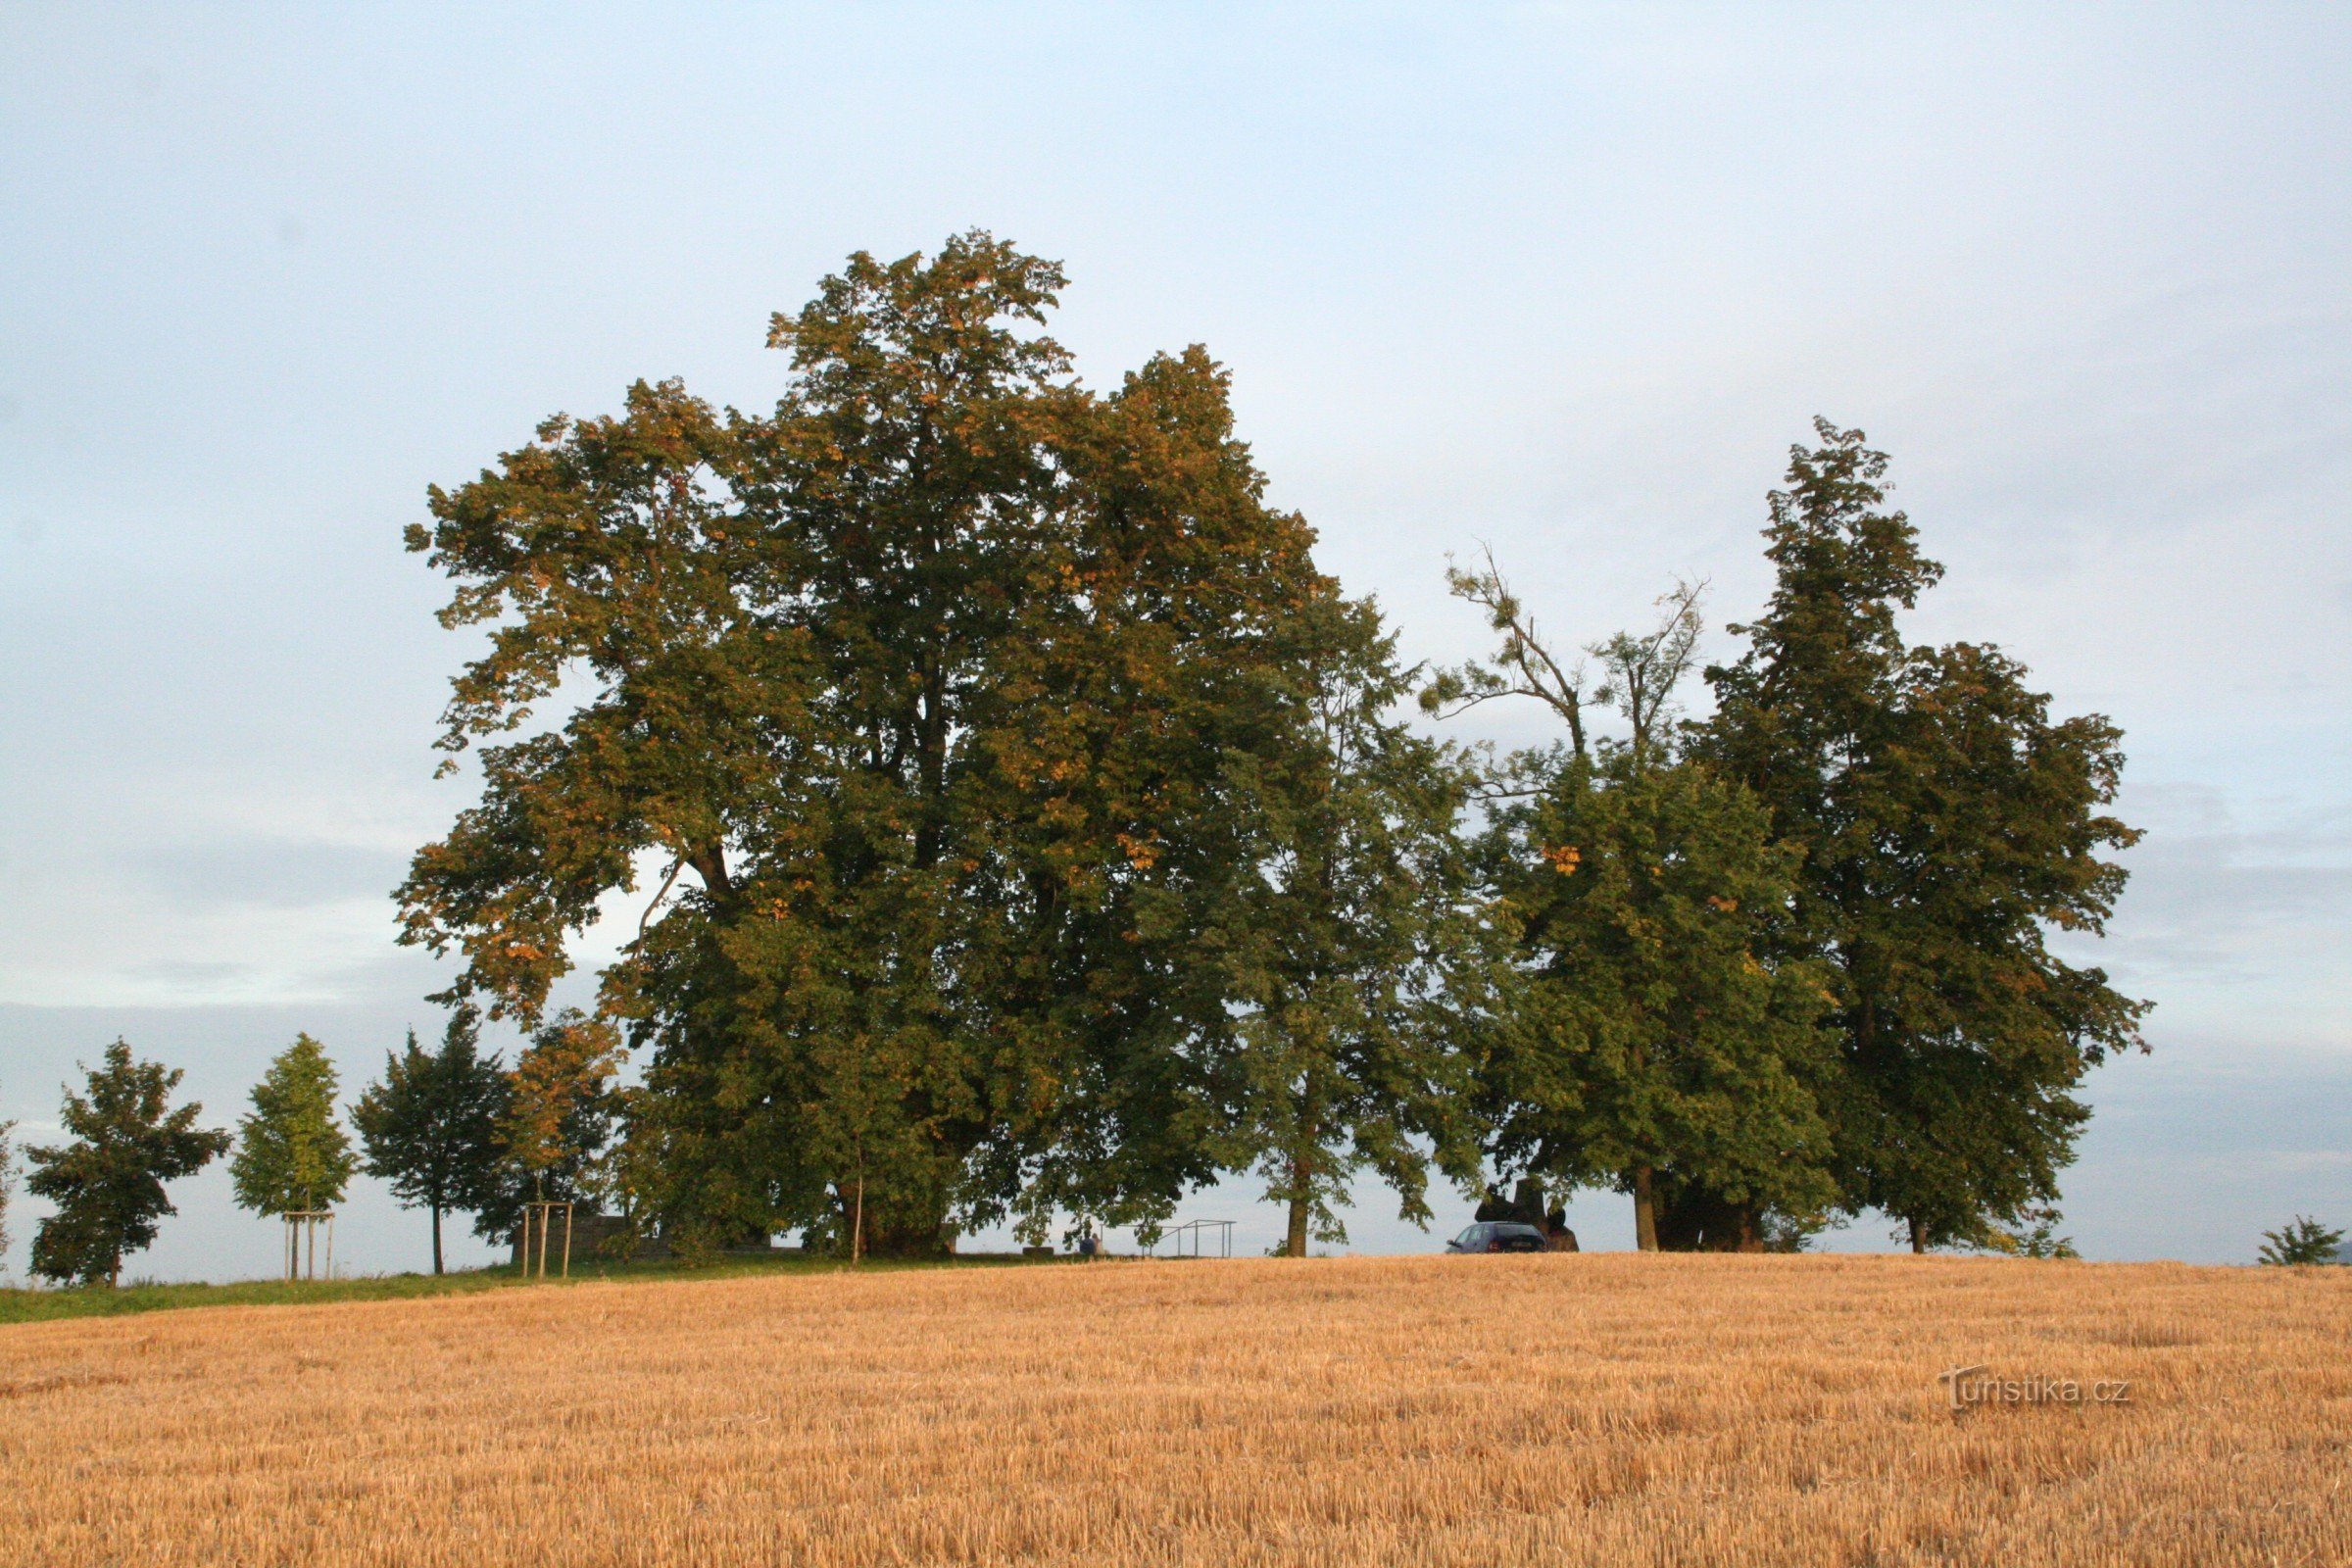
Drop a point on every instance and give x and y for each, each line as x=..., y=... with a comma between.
x=2035, y=1236
x=1023, y=831
x=292, y=1153
x=935, y=679
x=1650, y=1048
x=1792, y=1232
x=430, y=1127
x=1645, y=1037
x=1347, y=952
x=2305, y=1240
x=1946, y=825
x=554, y=1122
x=108, y=1183
x=1908, y=826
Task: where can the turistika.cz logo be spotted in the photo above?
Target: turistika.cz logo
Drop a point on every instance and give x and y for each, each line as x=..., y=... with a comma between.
x=1971, y=1386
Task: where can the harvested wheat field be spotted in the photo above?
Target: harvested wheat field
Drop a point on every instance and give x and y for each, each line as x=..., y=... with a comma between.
x=1609, y=1410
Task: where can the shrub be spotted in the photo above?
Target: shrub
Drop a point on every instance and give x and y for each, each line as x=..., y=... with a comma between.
x=2306, y=1240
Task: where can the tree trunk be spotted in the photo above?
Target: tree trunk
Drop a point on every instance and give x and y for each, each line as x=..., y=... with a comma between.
x=931, y=761
x=437, y=1238
x=710, y=862
x=878, y=1221
x=1302, y=1203
x=857, y=1222
x=1919, y=1236
x=1645, y=1211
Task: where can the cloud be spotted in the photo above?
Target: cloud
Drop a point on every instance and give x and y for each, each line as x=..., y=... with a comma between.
x=2237, y=910
x=267, y=872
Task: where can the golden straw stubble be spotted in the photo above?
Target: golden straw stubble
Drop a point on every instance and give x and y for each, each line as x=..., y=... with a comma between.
x=1605, y=1408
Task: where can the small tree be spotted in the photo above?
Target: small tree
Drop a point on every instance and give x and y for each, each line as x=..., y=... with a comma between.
x=8, y=1179
x=556, y=1120
x=430, y=1127
x=292, y=1153
x=2035, y=1236
x=1342, y=946
x=2306, y=1240
x=108, y=1183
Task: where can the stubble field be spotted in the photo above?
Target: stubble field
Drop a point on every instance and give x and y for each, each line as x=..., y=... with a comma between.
x=1611, y=1408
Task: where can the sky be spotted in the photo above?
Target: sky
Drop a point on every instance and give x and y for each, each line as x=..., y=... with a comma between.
x=1561, y=281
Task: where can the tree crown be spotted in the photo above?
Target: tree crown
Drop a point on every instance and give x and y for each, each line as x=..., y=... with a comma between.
x=127, y=1141
x=292, y=1153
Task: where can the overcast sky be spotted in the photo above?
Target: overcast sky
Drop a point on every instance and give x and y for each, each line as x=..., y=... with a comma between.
x=1564, y=280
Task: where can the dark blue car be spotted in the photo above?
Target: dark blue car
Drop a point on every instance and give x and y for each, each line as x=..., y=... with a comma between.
x=1499, y=1236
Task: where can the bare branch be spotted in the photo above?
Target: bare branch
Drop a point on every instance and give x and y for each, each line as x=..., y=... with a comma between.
x=1642, y=672
x=1522, y=651
x=645, y=921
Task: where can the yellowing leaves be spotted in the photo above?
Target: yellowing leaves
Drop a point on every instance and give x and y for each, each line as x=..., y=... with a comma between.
x=1564, y=859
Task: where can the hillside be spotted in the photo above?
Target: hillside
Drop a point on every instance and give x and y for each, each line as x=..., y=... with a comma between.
x=1607, y=1409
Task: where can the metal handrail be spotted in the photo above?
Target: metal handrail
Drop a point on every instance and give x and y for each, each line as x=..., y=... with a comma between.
x=1193, y=1230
